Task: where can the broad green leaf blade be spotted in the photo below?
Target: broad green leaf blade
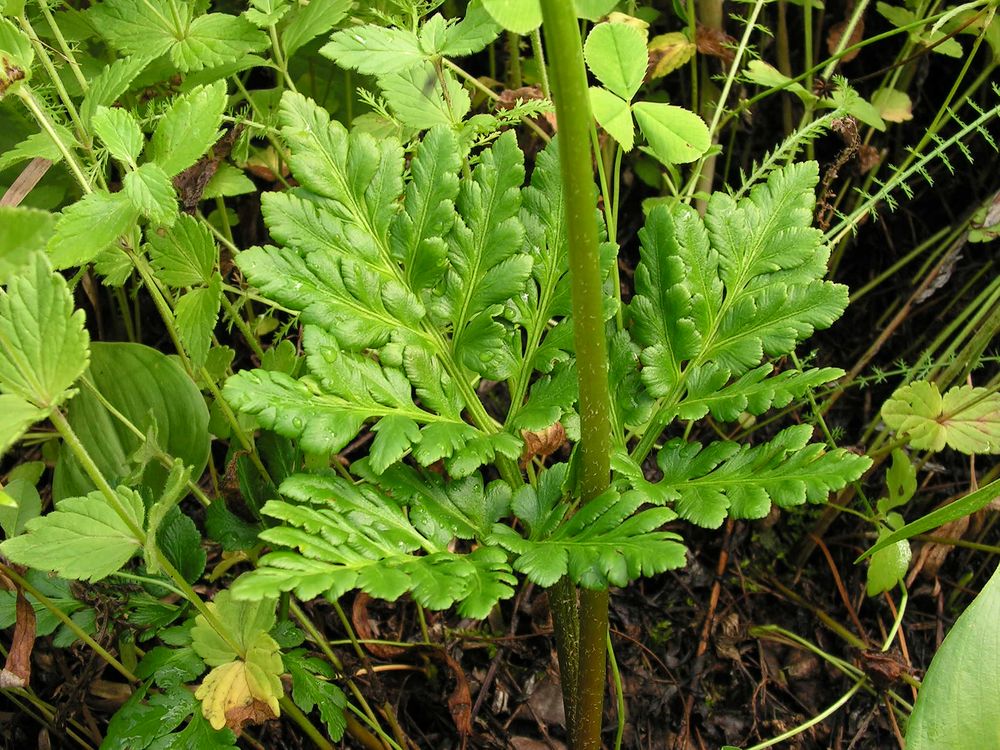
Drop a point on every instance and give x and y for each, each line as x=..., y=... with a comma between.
x=194, y=41
x=374, y=50
x=965, y=418
x=197, y=313
x=108, y=85
x=215, y=39
x=84, y=538
x=153, y=392
x=519, y=16
x=89, y=226
x=16, y=416
x=592, y=10
x=959, y=698
x=616, y=54
x=965, y=506
x=614, y=115
x=151, y=193
x=188, y=128
x=675, y=135
x=307, y=22
x=183, y=255
x=120, y=132
x=418, y=99
x=26, y=504
x=23, y=231
x=471, y=34
x=43, y=344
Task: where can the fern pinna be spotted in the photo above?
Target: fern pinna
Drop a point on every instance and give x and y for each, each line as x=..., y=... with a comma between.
x=418, y=282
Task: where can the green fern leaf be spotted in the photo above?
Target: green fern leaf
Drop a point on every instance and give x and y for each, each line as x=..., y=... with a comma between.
x=357, y=537
x=726, y=478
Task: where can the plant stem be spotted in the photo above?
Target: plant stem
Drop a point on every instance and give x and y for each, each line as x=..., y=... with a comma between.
x=569, y=83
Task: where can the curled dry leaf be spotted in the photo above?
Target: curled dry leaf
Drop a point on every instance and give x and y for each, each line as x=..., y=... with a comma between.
x=365, y=628
x=543, y=443
x=16, y=672
x=833, y=38
x=460, y=700
x=715, y=43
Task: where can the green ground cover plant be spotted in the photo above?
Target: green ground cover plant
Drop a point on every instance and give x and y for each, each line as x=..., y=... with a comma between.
x=433, y=371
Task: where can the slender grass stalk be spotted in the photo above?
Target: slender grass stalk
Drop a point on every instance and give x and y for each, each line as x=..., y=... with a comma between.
x=585, y=698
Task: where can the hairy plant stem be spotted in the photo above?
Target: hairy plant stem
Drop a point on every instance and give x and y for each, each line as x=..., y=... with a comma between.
x=583, y=617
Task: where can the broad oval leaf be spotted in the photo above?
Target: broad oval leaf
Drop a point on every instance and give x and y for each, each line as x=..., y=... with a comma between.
x=519, y=16
x=149, y=389
x=614, y=115
x=959, y=699
x=675, y=135
x=616, y=54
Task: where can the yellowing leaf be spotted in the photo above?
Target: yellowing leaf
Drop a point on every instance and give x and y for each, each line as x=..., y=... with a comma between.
x=668, y=52
x=965, y=418
x=893, y=105
x=241, y=691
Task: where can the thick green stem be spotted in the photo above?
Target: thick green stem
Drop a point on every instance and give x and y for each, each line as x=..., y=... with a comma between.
x=569, y=85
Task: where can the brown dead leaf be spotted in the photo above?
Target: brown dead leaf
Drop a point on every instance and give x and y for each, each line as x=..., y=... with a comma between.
x=868, y=157
x=17, y=670
x=885, y=669
x=460, y=699
x=715, y=43
x=837, y=31
x=365, y=627
x=932, y=555
x=255, y=712
x=191, y=182
x=542, y=443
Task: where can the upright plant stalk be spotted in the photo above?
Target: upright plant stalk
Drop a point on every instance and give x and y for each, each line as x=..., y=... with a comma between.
x=588, y=619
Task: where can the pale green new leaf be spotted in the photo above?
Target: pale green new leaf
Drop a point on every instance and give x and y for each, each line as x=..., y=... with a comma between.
x=519, y=16
x=742, y=481
x=246, y=620
x=616, y=54
x=374, y=50
x=120, y=132
x=196, y=315
x=44, y=347
x=188, y=128
x=89, y=226
x=183, y=255
x=888, y=566
x=965, y=418
x=216, y=39
x=84, y=538
x=959, y=697
x=151, y=193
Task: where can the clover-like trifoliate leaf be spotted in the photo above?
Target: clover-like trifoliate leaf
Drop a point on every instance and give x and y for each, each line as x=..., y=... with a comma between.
x=616, y=54
x=964, y=418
